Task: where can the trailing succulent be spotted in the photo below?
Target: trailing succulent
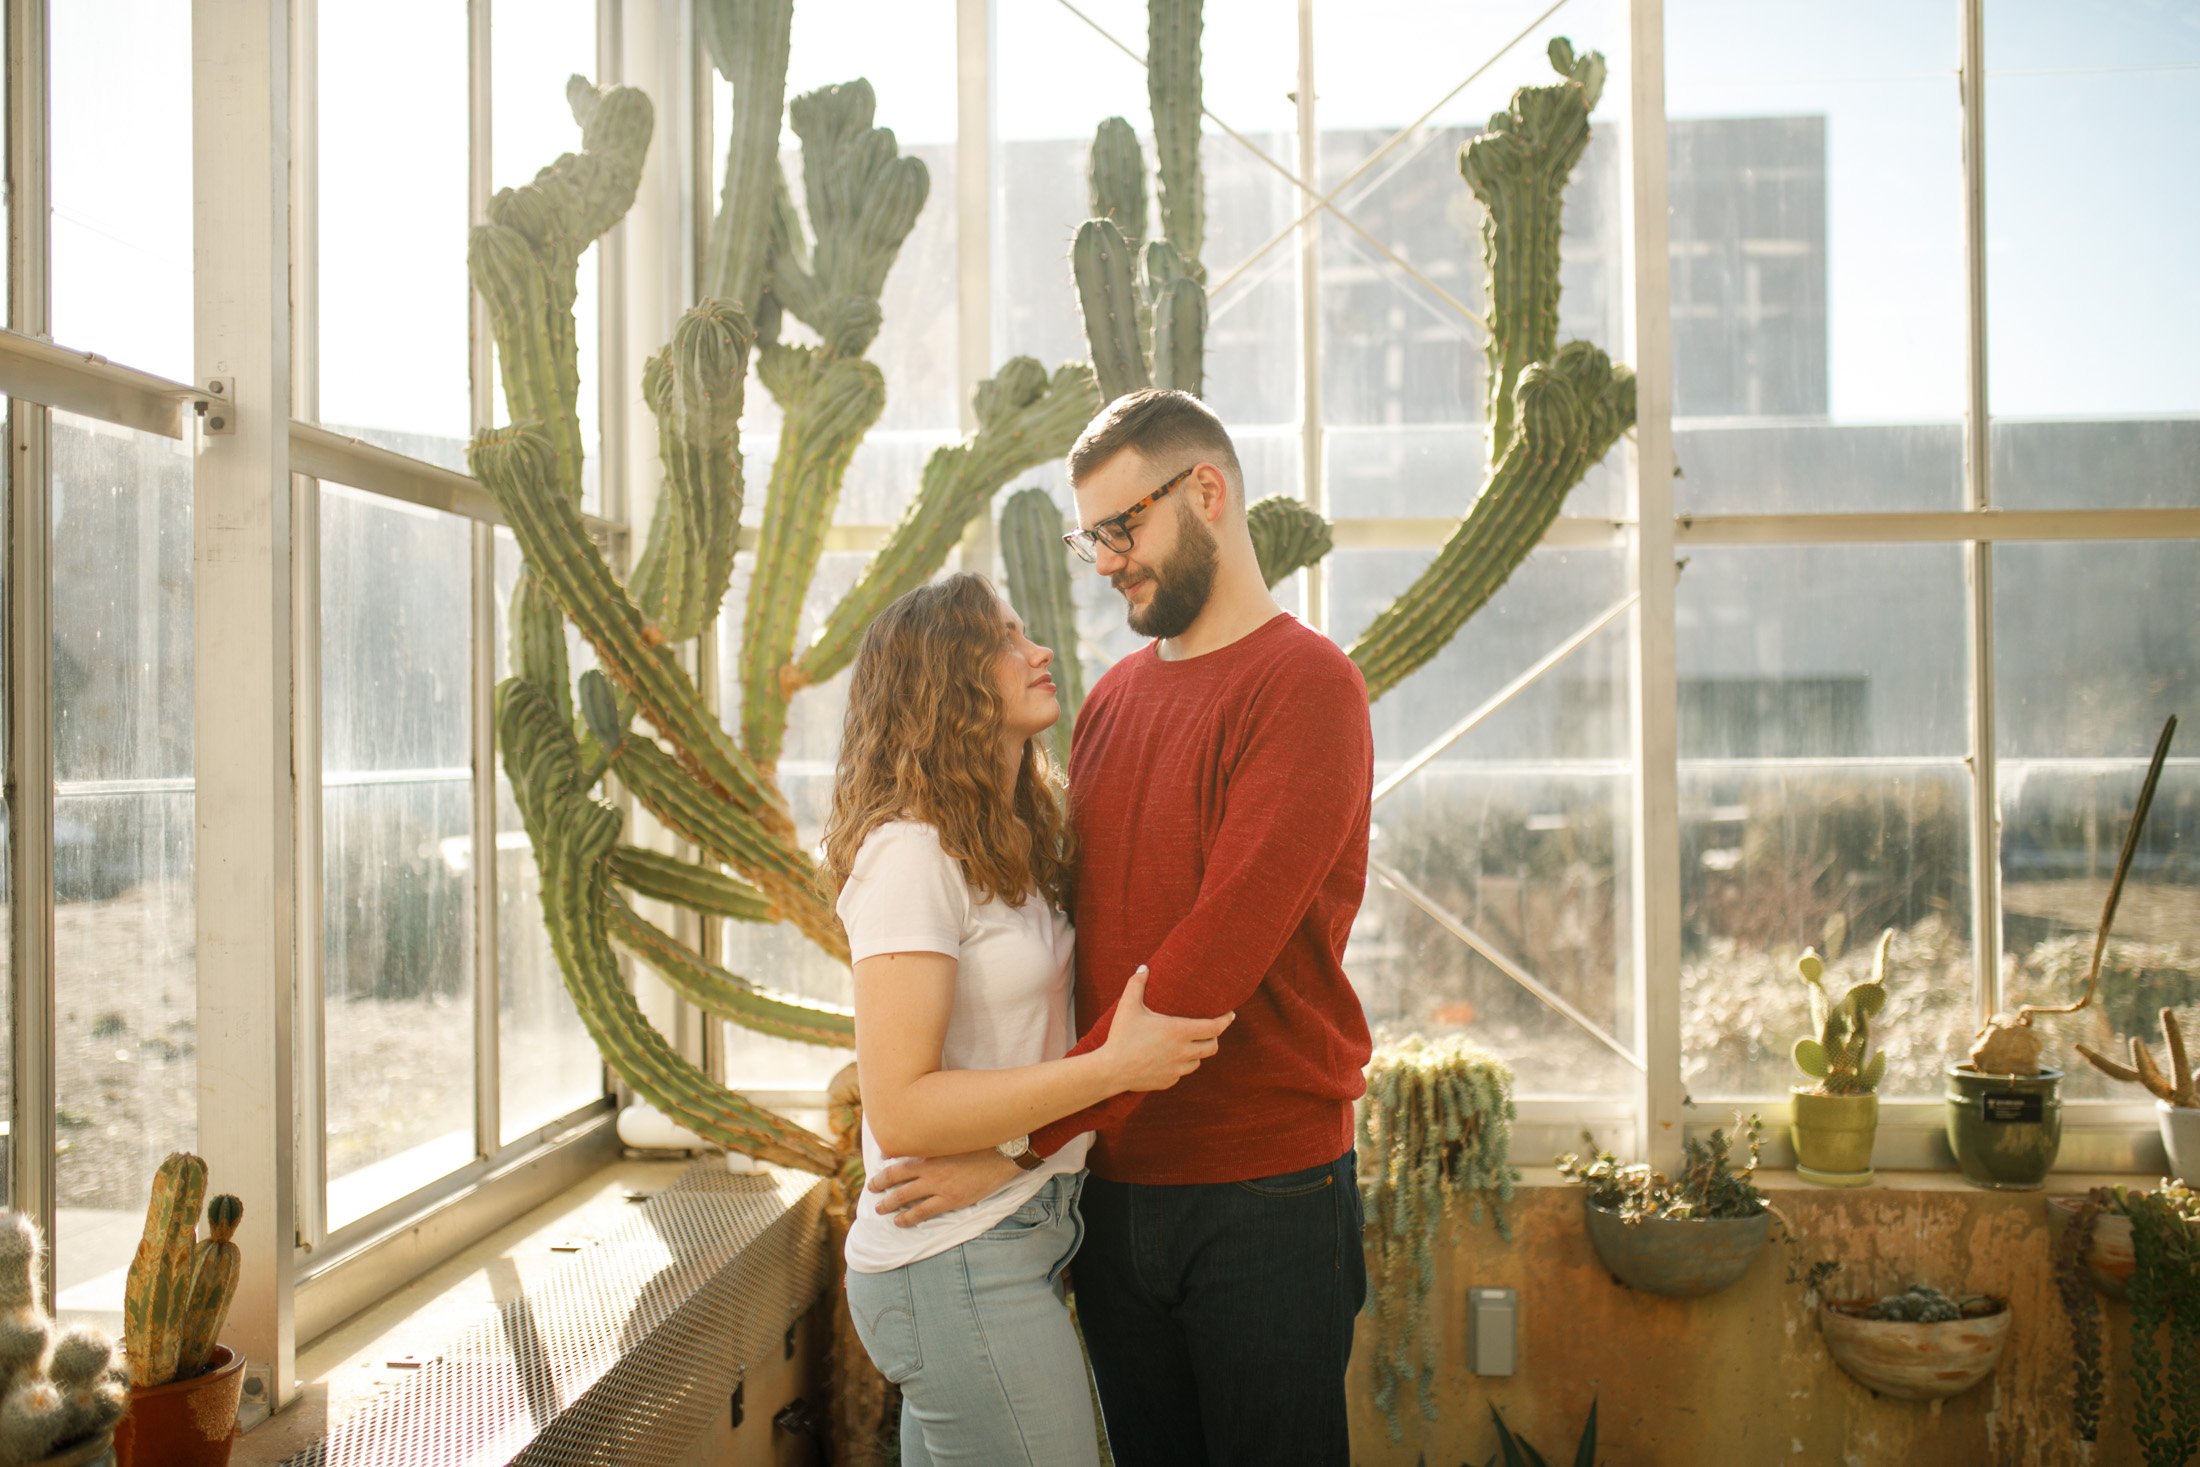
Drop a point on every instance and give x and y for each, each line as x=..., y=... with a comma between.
x=1435, y=1131
x=2164, y=1294
x=1709, y=1186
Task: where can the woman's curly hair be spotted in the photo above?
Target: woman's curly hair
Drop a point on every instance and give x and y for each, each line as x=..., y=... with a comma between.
x=922, y=742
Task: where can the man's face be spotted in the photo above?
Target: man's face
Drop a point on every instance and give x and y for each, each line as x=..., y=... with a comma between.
x=1168, y=573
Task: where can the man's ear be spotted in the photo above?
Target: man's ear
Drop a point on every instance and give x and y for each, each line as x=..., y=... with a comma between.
x=1214, y=493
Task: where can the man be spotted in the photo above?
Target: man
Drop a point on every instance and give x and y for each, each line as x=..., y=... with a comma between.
x=1219, y=785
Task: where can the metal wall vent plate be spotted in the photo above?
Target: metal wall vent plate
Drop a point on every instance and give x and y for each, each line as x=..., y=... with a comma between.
x=625, y=1355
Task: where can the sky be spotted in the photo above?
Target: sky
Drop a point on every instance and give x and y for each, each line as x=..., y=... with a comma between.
x=2092, y=109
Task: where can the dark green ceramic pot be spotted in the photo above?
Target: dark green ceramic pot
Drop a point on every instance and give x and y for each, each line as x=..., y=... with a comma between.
x=2004, y=1129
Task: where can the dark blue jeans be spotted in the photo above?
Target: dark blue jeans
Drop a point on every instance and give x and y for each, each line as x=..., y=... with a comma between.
x=1219, y=1316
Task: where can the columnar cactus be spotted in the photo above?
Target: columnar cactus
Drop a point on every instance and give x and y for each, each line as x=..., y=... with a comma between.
x=213, y=1286
x=644, y=722
x=1836, y=1059
x=157, y=1292
x=1031, y=548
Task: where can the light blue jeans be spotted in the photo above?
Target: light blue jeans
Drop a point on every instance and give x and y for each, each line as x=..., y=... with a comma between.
x=980, y=1342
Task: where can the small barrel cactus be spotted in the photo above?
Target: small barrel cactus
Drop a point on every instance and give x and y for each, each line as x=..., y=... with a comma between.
x=158, y=1290
x=1838, y=1058
x=1918, y=1304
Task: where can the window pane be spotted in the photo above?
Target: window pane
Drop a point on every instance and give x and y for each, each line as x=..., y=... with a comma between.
x=2095, y=648
x=1823, y=798
x=1817, y=240
x=2095, y=401
x=392, y=296
x=121, y=180
x=397, y=849
x=532, y=52
x=548, y=1065
x=126, y=988
x=1518, y=833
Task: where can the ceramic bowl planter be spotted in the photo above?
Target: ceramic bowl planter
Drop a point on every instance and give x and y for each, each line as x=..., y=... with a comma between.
x=2004, y=1129
x=1680, y=1258
x=185, y=1423
x=1833, y=1136
x=2181, y=1139
x=2109, y=1259
x=1915, y=1362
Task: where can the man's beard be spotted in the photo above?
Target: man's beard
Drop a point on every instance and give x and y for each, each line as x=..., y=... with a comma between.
x=1181, y=584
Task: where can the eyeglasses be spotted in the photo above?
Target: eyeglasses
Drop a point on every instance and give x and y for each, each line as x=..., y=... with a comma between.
x=1115, y=531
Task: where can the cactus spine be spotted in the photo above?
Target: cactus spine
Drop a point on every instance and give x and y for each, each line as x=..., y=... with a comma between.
x=213, y=1286
x=1837, y=1058
x=158, y=1289
x=1038, y=584
x=643, y=720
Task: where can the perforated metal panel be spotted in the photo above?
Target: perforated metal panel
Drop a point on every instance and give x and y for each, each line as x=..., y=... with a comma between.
x=622, y=1356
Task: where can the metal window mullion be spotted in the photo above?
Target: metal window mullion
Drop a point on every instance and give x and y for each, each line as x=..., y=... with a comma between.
x=1316, y=578
x=309, y=1049
x=243, y=656
x=974, y=136
x=1979, y=554
x=30, y=771
x=1654, y=717
x=482, y=615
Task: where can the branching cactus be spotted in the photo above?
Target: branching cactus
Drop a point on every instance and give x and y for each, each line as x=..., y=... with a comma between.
x=157, y=1293
x=1554, y=410
x=794, y=295
x=2176, y=1087
x=1839, y=1059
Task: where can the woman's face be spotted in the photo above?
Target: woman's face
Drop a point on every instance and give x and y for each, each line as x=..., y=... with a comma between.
x=1029, y=705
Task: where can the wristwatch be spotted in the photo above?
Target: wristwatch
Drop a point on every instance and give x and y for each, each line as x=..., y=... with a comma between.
x=1019, y=1151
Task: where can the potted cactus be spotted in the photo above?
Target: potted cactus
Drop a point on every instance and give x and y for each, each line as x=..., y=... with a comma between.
x=2176, y=1093
x=2004, y=1109
x=1680, y=1238
x=184, y=1386
x=1918, y=1345
x=1834, y=1120
x=58, y=1405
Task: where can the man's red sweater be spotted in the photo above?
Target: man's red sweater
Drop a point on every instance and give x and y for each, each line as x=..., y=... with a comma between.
x=1221, y=811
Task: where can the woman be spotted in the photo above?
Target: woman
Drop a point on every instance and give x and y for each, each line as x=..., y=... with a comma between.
x=949, y=850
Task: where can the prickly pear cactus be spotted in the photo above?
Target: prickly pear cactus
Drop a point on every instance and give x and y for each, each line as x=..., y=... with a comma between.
x=1839, y=1059
x=642, y=719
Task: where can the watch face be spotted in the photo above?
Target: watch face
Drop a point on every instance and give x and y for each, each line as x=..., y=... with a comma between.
x=1016, y=1147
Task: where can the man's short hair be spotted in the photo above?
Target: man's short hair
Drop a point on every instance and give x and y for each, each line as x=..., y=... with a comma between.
x=1168, y=428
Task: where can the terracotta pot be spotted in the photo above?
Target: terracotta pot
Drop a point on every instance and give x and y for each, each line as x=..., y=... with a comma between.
x=2181, y=1139
x=1681, y=1258
x=2004, y=1129
x=185, y=1423
x=1914, y=1362
x=2108, y=1258
x=1833, y=1136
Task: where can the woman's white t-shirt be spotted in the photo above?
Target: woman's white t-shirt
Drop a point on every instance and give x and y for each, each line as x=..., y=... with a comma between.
x=1011, y=1007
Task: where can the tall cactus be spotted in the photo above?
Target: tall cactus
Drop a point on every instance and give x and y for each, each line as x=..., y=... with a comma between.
x=642, y=720
x=214, y=1270
x=1031, y=548
x=157, y=1290
x=1839, y=1058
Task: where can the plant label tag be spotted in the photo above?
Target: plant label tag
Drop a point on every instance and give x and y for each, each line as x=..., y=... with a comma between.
x=2014, y=1107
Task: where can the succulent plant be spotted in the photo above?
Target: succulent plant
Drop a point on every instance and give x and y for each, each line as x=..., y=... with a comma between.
x=45, y=1404
x=1918, y=1304
x=214, y=1271
x=2176, y=1087
x=1837, y=1058
x=157, y=1292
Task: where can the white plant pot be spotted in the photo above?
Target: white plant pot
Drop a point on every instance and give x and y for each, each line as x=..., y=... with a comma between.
x=2181, y=1138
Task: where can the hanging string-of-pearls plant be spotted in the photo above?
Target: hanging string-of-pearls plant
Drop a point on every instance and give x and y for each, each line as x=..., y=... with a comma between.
x=1436, y=1128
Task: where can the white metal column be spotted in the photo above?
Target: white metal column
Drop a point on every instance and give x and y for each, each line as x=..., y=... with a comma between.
x=30, y=782
x=974, y=345
x=1654, y=721
x=482, y=617
x=241, y=640
x=1315, y=579
x=1978, y=555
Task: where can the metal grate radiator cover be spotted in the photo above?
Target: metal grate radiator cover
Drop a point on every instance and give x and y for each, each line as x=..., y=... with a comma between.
x=621, y=1357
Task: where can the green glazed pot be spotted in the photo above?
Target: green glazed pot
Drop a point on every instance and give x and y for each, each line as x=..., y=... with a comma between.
x=1833, y=1136
x=2004, y=1129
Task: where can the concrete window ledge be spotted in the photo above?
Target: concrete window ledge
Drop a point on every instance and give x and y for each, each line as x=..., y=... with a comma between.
x=376, y=1387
